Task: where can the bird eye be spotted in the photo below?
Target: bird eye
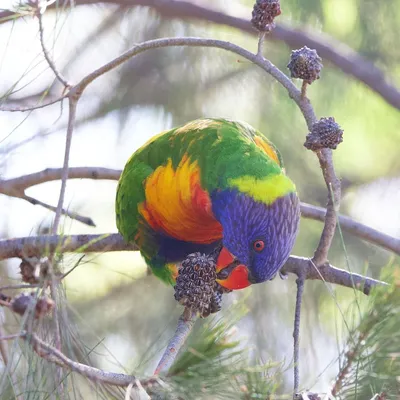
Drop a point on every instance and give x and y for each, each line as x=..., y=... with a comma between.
x=258, y=245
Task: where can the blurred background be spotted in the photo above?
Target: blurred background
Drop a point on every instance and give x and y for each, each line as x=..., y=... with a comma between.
x=111, y=298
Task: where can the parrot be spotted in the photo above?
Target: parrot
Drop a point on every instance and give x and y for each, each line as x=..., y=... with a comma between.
x=210, y=184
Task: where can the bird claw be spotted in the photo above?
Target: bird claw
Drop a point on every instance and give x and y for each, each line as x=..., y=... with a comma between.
x=282, y=275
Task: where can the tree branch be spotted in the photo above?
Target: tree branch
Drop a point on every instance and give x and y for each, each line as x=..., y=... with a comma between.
x=330, y=274
x=18, y=108
x=34, y=246
x=73, y=102
x=51, y=354
x=13, y=186
x=46, y=54
x=263, y=63
x=3, y=345
x=185, y=325
x=332, y=208
x=296, y=334
x=70, y=214
x=355, y=228
x=339, y=54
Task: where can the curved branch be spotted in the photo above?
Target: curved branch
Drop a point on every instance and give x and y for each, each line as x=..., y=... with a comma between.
x=72, y=102
x=302, y=266
x=20, y=184
x=257, y=59
x=184, y=327
x=10, y=108
x=51, y=354
x=332, y=208
x=355, y=228
x=339, y=54
x=46, y=54
x=71, y=214
x=296, y=334
x=34, y=246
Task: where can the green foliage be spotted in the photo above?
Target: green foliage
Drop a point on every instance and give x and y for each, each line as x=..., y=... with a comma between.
x=214, y=365
x=372, y=359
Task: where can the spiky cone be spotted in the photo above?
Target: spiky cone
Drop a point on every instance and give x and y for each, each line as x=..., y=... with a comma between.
x=264, y=13
x=195, y=284
x=41, y=305
x=305, y=64
x=326, y=133
x=34, y=270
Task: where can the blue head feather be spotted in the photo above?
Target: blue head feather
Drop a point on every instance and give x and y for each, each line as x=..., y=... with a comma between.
x=245, y=221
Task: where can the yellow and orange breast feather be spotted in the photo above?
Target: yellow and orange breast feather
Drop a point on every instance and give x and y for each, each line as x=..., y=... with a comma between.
x=178, y=206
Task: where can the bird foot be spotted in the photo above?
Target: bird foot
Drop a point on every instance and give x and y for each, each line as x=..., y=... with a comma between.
x=282, y=275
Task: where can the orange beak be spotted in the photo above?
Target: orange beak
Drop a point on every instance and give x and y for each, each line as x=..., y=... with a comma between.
x=230, y=273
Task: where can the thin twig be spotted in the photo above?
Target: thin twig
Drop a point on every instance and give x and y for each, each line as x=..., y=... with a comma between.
x=56, y=323
x=355, y=228
x=4, y=351
x=332, y=183
x=128, y=391
x=73, y=101
x=11, y=108
x=22, y=286
x=44, y=244
x=70, y=214
x=53, y=355
x=46, y=54
x=332, y=208
x=17, y=185
x=262, y=62
x=3, y=344
x=4, y=303
x=296, y=333
x=260, y=46
x=304, y=89
x=350, y=358
x=329, y=273
x=185, y=325
x=11, y=337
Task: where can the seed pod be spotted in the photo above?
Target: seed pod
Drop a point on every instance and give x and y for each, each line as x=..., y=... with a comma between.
x=195, y=283
x=264, y=12
x=42, y=305
x=326, y=133
x=305, y=64
x=33, y=269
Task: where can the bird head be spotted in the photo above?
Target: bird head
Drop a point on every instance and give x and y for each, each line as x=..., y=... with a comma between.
x=257, y=237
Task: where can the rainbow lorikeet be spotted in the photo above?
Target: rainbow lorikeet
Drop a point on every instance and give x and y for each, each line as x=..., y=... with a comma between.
x=207, y=184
